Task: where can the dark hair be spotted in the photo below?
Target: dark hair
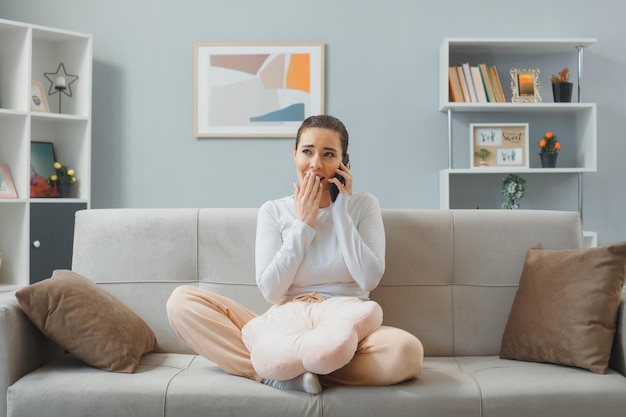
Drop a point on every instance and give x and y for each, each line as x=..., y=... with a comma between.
x=325, y=121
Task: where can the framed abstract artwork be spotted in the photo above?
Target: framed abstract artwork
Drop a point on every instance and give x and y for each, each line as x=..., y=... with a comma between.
x=256, y=89
x=42, y=160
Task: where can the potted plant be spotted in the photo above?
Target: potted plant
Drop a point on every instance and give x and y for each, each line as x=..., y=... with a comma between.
x=561, y=87
x=482, y=154
x=513, y=189
x=549, y=150
x=63, y=179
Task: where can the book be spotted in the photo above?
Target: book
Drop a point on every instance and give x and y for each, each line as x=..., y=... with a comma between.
x=466, y=95
x=478, y=85
x=467, y=72
x=495, y=80
x=484, y=72
x=456, y=94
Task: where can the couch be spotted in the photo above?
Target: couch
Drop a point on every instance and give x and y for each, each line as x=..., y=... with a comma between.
x=451, y=279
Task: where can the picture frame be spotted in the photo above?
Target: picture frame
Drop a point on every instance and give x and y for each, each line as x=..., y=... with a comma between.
x=7, y=188
x=42, y=158
x=506, y=145
x=256, y=89
x=525, y=85
x=38, y=100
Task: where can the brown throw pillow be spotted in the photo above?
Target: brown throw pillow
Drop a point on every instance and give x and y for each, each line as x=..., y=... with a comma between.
x=87, y=321
x=566, y=306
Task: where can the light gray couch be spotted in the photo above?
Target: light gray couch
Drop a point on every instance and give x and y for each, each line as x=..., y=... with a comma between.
x=451, y=278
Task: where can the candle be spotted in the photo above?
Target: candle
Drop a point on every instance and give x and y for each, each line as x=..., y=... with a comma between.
x=60, y=82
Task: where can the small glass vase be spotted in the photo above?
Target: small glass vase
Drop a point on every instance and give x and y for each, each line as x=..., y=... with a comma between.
x=548, y=160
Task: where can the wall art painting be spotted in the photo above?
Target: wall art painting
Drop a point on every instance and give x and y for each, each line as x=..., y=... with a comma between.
x=256, y=89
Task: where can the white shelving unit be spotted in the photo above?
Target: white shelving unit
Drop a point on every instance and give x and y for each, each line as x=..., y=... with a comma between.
x=26, y=53
x=574, y=123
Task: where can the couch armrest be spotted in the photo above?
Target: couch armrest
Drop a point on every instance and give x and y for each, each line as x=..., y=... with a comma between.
x=23, y=348
x=618, y=354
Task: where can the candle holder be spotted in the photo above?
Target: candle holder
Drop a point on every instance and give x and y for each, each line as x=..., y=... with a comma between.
x=60, y=82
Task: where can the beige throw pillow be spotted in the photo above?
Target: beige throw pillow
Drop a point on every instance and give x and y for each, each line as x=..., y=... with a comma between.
x=87, y=321
x=566, y=306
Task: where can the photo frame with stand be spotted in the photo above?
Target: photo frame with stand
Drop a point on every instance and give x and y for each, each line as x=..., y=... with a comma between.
x=7, y=188
x=525, y=85
x=499, y=145
x=38, y=100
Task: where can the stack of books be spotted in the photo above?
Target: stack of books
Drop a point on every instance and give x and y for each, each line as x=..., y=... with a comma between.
x=475, y=84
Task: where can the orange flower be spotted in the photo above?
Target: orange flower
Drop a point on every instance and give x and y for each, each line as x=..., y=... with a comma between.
x=548, y=144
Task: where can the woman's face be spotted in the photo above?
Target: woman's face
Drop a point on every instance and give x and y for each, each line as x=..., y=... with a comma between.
x=318, y=152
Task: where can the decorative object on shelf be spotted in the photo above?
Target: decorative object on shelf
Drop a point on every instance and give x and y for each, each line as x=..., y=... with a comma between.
x=525, y=85
x=60, y=83
x=483, y=154
x=41, y=168
x=63, y=179
x=561, y=87
x=507, y=144
x=38, y=100
x=279, y=85
x=7, y=189
x=513, y=189
x=549, y=150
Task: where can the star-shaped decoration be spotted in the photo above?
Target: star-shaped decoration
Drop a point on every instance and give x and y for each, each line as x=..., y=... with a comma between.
x=60, y=82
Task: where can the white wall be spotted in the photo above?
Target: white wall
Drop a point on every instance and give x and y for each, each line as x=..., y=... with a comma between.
x=381, y=80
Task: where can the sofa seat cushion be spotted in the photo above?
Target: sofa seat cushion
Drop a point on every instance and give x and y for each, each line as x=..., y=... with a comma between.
x=514, y=388
x=184, y=385
x=487, y=386
x=165, y=384
x=70, y=388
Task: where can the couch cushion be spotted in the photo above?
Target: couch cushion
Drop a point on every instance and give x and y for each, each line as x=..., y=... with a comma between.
x=522, y=389
x=565, y=309
x=87, y=321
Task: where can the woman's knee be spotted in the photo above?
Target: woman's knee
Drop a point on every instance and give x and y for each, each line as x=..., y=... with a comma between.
x=406, y=355
x=413, y=351
x=178, y=300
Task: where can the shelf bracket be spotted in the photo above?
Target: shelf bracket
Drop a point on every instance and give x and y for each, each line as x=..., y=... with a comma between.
x=580, y=195
x=580, y=70
x=449, y=138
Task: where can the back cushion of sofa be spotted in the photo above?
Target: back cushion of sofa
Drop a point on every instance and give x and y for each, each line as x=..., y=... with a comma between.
x=226, y=242
x=450, y=279
x=139, y=256
x=452, y=275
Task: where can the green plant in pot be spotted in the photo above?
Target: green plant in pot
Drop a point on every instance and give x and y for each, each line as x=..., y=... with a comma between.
x=482, y=154
x=561, y=87
x=513, y=189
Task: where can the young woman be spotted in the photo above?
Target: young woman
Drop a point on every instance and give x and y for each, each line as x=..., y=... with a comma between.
x=310, y=248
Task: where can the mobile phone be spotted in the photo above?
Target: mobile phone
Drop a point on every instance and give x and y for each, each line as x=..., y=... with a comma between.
x=334, y=190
